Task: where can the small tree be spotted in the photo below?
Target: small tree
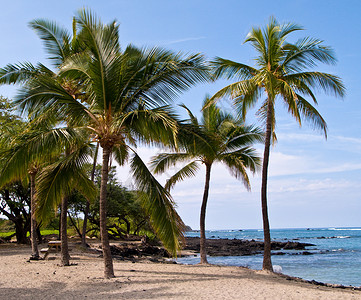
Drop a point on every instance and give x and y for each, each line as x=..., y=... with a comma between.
x=15, y=205
x=219, y=137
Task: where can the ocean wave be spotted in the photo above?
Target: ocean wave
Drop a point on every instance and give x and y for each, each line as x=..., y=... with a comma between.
x=338, y=250
x=333, y=237
x=344, y=229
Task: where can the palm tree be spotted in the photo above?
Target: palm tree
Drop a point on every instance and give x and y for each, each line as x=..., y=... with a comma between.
x=219, y=137
x=280, y=73
x=120, y=105
x=36, y=152
x=57, y=181
x=28, y=167
x=59, y=45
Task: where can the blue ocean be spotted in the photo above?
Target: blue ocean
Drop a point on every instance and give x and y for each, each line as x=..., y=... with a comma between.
x=336, y=256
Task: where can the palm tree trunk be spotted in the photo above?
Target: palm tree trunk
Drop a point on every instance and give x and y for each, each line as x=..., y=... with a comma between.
x=267, y=263
x=87, y=207
x=33, y=235
x=108, y=262
x=85, y=224
x=64, y=233
x=202, y=242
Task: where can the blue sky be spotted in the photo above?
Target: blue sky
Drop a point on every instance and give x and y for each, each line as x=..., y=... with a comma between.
x=313, y=182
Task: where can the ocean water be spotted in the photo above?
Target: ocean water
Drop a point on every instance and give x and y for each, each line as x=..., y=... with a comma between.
x=336, y=255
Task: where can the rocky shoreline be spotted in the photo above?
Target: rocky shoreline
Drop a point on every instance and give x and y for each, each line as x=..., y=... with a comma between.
x=215, y=247
x=235, y=247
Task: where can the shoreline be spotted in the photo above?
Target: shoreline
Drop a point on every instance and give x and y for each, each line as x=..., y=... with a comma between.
x=221, y=242
x=147, y=280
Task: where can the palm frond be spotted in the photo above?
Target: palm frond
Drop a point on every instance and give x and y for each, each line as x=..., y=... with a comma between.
x=19, y=73
x=243, y=93
x=193, y=119
x=60, y=178
x=121, y=154
x=157, y=76
x=228, y=69
x=240, y=160
x=327, y=82
x=57, y=40
x=306, y=52
x=159, y=205
x=163, y=161
x=162, y=125
x=289, y=96
x=187, y=171
x=243, y=136
x=310, y=114
x=46, y=93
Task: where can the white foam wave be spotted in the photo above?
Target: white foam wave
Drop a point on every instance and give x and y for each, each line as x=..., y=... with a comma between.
x=344, y=229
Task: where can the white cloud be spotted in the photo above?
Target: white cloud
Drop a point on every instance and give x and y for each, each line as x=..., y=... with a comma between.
x=171, y=42
x=303, y=137
x=307, y=185
x=346, y=139
x=282, y=164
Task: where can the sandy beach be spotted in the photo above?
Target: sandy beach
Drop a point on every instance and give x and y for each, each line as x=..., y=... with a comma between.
x=45, y=279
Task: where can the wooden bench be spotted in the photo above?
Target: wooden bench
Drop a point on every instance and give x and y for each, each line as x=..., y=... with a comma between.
x=52, y=245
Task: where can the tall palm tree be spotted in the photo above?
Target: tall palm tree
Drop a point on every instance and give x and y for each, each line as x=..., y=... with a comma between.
x=219, y=137
x=59, y=45
x=280, y=73
x=120, y=104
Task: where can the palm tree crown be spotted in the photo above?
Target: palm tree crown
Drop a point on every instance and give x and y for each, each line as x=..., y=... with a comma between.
x=280, y=72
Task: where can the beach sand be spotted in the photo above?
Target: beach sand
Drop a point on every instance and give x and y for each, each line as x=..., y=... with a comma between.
x=45, y=279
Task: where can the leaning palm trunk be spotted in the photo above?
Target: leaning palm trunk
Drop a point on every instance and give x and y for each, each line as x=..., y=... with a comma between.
x=108, y=262
x=202, y=242
x=267, y=263
x=33, y=235
x=64, y=233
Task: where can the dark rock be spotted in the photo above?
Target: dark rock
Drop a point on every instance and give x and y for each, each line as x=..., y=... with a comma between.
x=131, y=251
x=235, y=247
x=188, y=228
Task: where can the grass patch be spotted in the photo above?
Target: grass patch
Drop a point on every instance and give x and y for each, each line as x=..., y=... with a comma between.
x=43, y=232
x=49, y=231
x=6, y=234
